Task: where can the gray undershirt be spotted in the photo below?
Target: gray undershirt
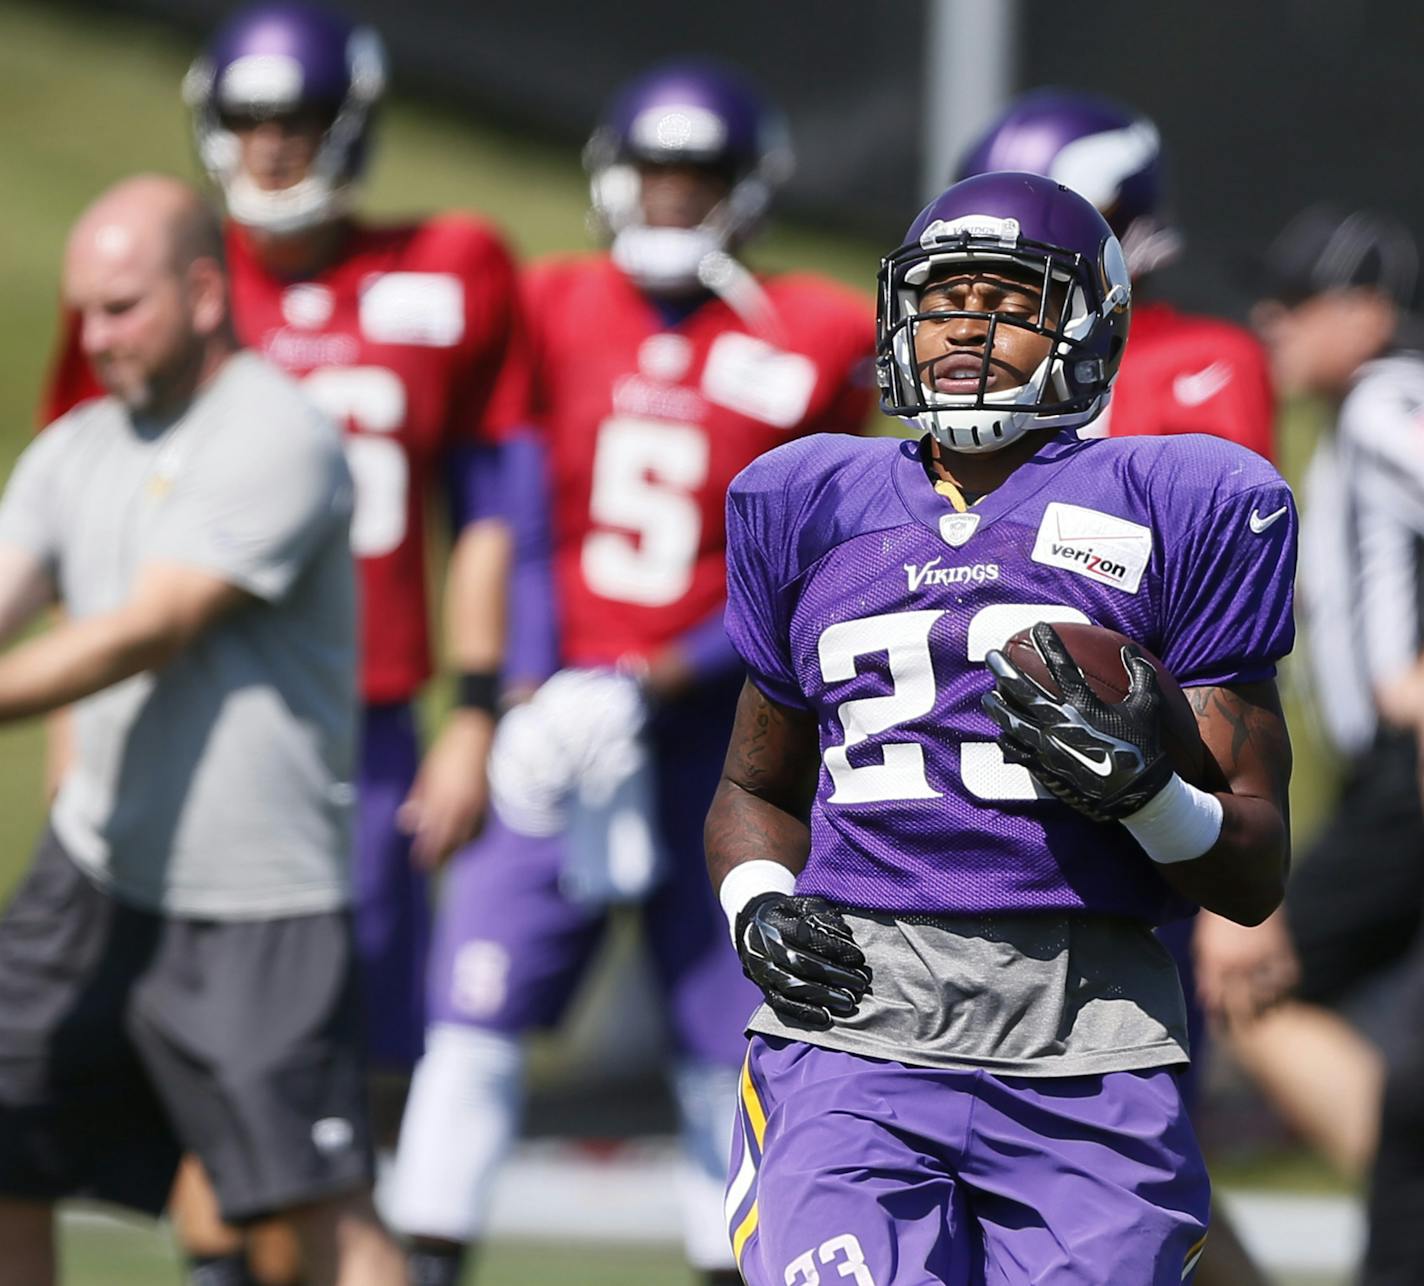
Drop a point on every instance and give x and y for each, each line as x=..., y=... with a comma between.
x=1017, y=995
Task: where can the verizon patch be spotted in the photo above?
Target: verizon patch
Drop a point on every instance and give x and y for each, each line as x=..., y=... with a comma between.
x=1104, y=548
x=749, y=376
x=424, y=308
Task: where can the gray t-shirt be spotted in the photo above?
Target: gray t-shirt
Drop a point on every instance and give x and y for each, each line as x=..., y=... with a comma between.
x=1016, y=995
x=219, y=785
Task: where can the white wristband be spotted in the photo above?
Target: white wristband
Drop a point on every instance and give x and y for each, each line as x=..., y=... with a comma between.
x=1178, y=824
x=749, y=880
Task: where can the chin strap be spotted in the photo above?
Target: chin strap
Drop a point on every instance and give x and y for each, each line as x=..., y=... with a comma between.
x=963, y=438
x=312, y=201
x=674, y=261
x=737, y=287
x=663, y=260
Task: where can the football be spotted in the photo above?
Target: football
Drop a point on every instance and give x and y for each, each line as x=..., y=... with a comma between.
x=1098, y=652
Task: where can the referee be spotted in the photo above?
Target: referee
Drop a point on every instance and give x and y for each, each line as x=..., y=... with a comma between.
x=176, y=968
x=1341, y=325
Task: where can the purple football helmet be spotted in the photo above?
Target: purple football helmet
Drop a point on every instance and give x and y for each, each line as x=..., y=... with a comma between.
x=270, y=60
x=692, y=113
x=1107, y=152
x=1024, y=221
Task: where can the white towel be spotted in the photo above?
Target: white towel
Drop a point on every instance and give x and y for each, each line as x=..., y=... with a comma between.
x=573, y=760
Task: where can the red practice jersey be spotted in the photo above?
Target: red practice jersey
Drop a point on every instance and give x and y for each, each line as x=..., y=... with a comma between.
x=1186, y=374
x=646, y=425
x=414, y=341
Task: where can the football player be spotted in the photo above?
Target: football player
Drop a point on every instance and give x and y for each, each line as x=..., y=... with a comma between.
x=1182, y=374
x=942, y=875
x=410, y=335
x=663, y=366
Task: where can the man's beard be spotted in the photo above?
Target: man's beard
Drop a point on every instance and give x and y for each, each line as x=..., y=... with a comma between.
x=137, y=396
x=158, y=390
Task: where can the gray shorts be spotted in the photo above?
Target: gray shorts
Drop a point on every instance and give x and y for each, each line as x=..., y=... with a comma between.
x=127, y=1036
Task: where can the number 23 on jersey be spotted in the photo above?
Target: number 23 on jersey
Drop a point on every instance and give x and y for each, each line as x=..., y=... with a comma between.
x=904, y=637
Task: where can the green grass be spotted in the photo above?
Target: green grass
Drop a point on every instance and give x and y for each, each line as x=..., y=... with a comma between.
x=115, y=1253
x=518, y=1263
x=1282, y=1169
x=135, y=1253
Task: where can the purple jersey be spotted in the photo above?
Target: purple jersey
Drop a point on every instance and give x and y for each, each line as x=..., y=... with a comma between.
x=857, y=593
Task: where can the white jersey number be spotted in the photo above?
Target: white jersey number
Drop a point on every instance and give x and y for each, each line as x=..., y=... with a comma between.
x=645, y=474
x=843, y=1253
x=905, y=639
x=372, y=401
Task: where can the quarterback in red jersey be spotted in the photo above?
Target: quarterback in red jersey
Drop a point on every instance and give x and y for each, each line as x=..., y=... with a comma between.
x=663, y=367
x=1180, y=373
x=647, y=427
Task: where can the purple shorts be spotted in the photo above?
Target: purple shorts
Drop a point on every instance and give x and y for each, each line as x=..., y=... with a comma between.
x=509, y=947
x=890, y=1175
x=390, y=902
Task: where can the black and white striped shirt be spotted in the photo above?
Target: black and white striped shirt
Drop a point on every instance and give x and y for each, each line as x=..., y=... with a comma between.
x=1362, y=547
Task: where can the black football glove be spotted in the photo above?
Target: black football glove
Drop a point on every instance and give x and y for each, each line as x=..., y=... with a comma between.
x=801, y=954
x=1104, y=759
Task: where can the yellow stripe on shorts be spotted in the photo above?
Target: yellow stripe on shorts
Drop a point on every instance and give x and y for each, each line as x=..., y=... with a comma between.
x=744, y=1231
x=756, y=1114
x=1193, y=1255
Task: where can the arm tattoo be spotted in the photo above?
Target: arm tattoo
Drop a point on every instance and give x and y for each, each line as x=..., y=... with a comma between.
x=768, y=782
x=772, y=748
x=749, y=759
x=1246, y=731
x=1208, y=701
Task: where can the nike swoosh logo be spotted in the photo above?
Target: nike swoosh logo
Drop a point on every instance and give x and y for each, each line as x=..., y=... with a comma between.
x=1196, y=387
x=1101, y=766
x=1259, y=524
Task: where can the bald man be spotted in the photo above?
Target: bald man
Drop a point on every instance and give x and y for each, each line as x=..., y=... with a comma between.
x=176, y=968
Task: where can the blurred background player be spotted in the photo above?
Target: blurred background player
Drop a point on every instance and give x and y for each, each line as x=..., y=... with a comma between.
x=1181, y=373
x=408, y=335
x=965, y=1069
x=179, y=965
x=663, y=367
x=1340, y=323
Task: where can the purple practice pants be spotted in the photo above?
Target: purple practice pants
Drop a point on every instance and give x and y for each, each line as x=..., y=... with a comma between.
x=884, y=1174
x=391, y=905
x=509, y=947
